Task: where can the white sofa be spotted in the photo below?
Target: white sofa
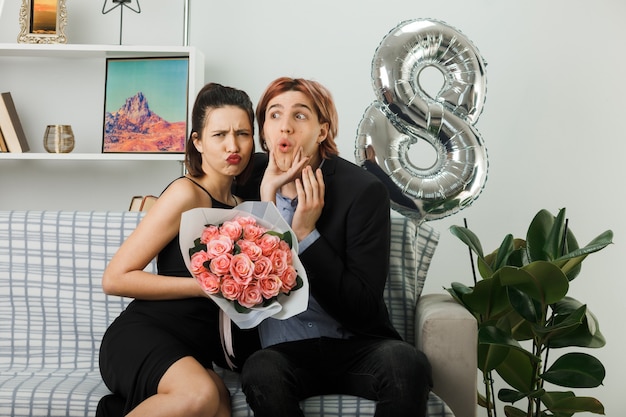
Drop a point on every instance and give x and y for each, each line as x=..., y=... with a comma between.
x=53, y=314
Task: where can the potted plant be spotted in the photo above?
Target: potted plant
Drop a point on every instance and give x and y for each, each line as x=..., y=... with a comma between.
x=525, y=316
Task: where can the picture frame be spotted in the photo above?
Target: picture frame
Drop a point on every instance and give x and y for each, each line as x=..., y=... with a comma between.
x=43, y=21
x=146, y=105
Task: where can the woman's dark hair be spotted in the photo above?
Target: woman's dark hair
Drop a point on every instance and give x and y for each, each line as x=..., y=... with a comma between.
x=213, y=96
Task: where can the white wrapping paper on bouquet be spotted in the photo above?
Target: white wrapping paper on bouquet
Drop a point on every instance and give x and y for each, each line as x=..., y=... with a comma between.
x=266, y=214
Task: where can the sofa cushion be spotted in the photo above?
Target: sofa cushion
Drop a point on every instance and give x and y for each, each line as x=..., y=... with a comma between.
x=56, y=301
x=51, y=266
x=412, y=248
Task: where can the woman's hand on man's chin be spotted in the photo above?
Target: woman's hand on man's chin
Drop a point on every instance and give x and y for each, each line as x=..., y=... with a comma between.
x=280, y=173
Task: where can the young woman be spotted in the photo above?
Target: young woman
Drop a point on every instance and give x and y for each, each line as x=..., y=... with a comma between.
x=344, y=343
x=157, y=356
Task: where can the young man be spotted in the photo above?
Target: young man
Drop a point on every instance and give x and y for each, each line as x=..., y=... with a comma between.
x=344, y=342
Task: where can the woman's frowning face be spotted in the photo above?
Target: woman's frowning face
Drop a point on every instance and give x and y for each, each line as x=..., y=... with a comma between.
x=227, y=141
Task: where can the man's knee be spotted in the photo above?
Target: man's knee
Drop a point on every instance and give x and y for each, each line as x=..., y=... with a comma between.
x=406, y=362
x=264, y=364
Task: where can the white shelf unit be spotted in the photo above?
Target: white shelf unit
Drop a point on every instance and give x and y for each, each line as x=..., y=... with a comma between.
x=64, y=84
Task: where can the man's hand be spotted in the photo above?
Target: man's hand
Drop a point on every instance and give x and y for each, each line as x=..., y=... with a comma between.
x=311, y=190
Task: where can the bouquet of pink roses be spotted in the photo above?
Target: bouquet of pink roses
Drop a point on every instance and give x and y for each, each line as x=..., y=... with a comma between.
x=246, y=263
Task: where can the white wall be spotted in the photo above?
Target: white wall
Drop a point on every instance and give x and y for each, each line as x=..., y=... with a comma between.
x=551, y=123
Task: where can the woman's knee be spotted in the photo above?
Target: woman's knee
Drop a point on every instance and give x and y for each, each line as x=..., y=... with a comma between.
x=194, y=388
x=202, y=400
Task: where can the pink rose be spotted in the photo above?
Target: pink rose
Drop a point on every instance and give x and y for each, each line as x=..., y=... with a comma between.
x=209, y=233
x=284, y=246
x=220, y=265
x=244, y=220
x=209, y=282
x=250, y=248
x=289, y=278
x=220, y=245
x=197, y=262
x=252, y=232
x=268, y=243
x=262, y=267
x=231, y=289
x=242, y=268
x=232, y=229
x=279, y=260
x=270, y=286
x=250, y=296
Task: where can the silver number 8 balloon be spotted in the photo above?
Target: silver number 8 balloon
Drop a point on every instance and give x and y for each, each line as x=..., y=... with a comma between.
x=404, y=113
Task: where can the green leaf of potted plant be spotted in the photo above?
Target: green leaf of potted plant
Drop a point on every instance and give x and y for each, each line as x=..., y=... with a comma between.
x=523, y=314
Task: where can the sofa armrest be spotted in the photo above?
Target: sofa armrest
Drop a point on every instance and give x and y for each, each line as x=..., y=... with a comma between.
x=447, y=333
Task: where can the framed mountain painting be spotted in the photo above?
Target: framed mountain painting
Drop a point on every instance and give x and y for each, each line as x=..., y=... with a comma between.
x=145, y=105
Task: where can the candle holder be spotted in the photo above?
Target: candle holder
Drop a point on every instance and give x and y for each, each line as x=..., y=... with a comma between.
x=58, y=139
